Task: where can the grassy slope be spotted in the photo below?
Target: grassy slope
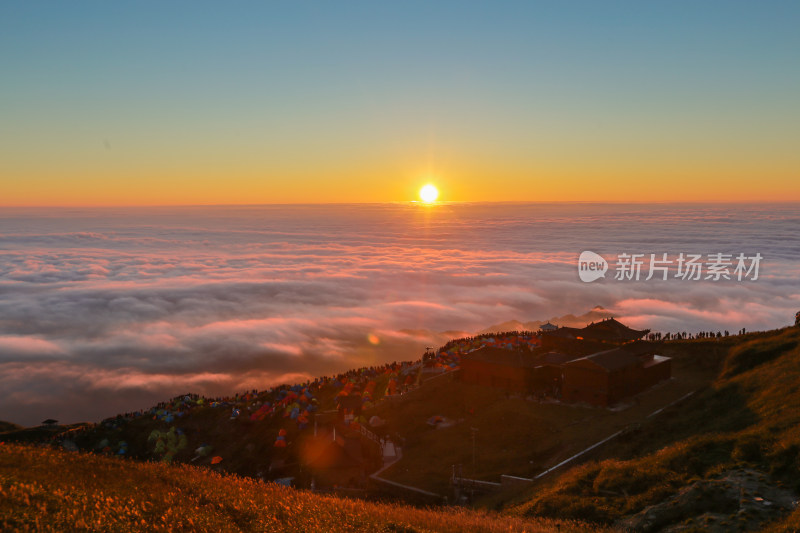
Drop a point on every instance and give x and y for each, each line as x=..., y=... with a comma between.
x=44, y=489
x=35, y=434
x=748, y=417
x=9, y=426
x=747, y=413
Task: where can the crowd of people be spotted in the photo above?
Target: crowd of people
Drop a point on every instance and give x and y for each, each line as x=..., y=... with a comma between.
x=683, y=335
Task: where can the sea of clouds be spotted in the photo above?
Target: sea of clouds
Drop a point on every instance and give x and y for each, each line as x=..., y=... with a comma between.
x=110, y=310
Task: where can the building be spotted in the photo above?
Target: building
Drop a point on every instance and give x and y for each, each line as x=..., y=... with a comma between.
x=609, y=331
x=548, y=374
x=600, y=364
x=595, y=337
x=607, y=377
x=603, y=378
x=612, y=331
x=515, y=371
x=496, y=367
x=655, y=369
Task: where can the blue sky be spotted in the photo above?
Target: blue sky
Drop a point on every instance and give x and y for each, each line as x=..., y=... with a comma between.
x=298, y=89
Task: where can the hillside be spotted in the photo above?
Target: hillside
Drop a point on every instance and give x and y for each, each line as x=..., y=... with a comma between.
x=724, y=460
x=52, y=490
x=709, y=462
x=8, y=426
x=241, y=430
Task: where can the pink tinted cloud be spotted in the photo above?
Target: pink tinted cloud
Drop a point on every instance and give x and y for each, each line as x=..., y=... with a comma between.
x=646, y=312
x=29, y=345
x=256, y=294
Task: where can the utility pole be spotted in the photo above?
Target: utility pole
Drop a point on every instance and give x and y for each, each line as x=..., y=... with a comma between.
x=473, y=431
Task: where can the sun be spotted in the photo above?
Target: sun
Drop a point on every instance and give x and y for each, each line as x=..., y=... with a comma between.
x=429, y=193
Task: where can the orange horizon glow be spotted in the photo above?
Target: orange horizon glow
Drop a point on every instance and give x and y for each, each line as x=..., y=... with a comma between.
x=462, y=185
x=542, y=106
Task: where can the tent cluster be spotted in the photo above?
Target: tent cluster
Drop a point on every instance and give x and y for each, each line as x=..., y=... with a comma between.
x=280, y=441
x=435, y=419
x=358, y=389
x=167, y=443
x=105, y=447
x=511, y=340
x=447, y=361
x=400, y=383
x=402, y=378
x=202, y=451
x=448, y=357
x=114, y=423
x=350, y=402
x=297, y=404
x=264, y=411
x=176, y=408
x=291, y=407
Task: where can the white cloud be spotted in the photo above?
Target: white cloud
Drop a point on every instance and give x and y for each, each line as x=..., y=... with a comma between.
x=153, y=301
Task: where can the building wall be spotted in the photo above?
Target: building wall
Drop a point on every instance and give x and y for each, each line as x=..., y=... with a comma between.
x=657, y=373
x=585, y=382
x=547, y=379
x=491, y=375
x=624, y=383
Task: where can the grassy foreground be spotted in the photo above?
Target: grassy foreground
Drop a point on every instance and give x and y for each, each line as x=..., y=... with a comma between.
x=44, y=489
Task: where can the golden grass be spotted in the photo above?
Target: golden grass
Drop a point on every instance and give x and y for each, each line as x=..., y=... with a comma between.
x=43, y=489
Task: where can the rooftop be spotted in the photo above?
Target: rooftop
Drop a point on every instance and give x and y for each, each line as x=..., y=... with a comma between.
x=500, y=356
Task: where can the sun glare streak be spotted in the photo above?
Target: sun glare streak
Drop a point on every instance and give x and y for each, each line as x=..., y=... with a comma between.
x=429, y=193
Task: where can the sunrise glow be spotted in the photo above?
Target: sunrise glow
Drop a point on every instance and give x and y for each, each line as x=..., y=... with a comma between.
x=429, y=193
x=517, y=115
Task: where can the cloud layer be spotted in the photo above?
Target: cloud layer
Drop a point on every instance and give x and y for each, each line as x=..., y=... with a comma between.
x=105, y=311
